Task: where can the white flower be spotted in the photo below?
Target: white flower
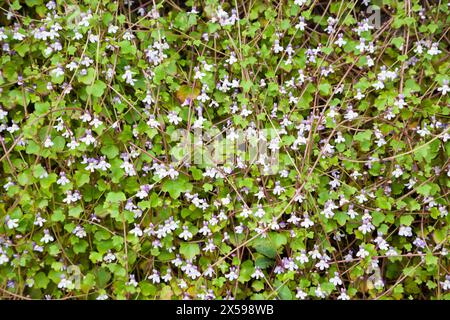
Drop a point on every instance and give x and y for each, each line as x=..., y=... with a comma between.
x=343, y=296
x=86, y=117
x=77, y=36
x=132, y=281
x=148, y=98
x=359, y=95
x=128, y=36
x=152, y=122
x=79, y=232
x=39, y=221
x=445, y=88
x=446, y=284
x=340, y=41
x=3, y=258
x=278, y=189
x=397, y=172
x=210, y=246
x=276, y=47
x=73, y=144
x=72, y=65
x=72, y=197
x=113, y=29
x=260, y=213
x=207, y=67
x=128, y=168
x=405, y=231
x=301, y=294
x=366, y=227
x=154, y=277
x=172, y=173
x=300, y=2
x=336, y=280
x=47, y=237
x=232, y=275
x=302, y=258
x=245, y=112
x=3, y=114
x=434, y=50
x=128, y=76
x=93, y=38
x=57, y=72
x=88, y=139
x=319, y=293
x=167, y=277
x=12, y=223
x=174, y=118
x=62, y=179
x=136, y=231
x=65, y=283
x=274, y=224
x=109, y=257
x=362, y=253
x=186, y=234
x=102, y=165
x=307, y=223
x=96, y=123
x=322, y=264
x=232, y=59
x=350, y=115
x=257, y=274
x=48, y=143
x=198, y=74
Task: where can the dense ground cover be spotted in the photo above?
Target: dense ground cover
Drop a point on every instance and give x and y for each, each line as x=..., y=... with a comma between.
x=110, y=187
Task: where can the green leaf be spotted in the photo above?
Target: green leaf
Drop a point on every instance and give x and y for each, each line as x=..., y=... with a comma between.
x=430, y=259
x=81, y=246
x=147, y=289
x=265, y=247
x=97, y=88
x=81, y=178
x=41, y=281
x=58, y=143
x=89, y=77
x=411, y=86
x=377, y=218
x=75, y=212
x=398, y=42
x=102, y=276
x=41, y=107
x=246, y=270
x=58, y=215
x=176, y=187
x=406, y=220
x=115, y=197
x=440, y=235
x=325, y=89
x=424, y=190
x=32, y=147
x=383, y=203
x=25, y=178
x=341, y=218
x=284, y=293
x=365, y=139
x=246, y=85
x=427, y=152
x=189, y=250
x=111, y=151
x=278, y=239
x=197, y=174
